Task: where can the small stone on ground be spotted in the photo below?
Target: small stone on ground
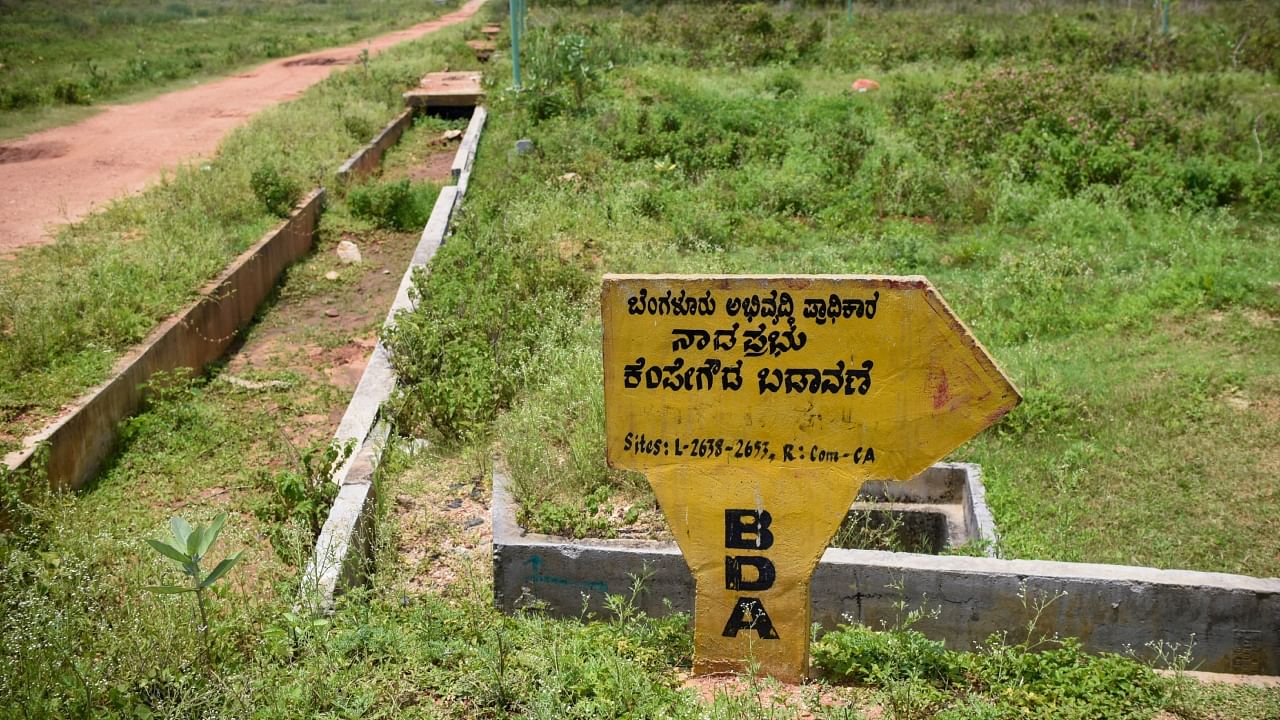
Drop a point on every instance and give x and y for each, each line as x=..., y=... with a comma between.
x=348, y=253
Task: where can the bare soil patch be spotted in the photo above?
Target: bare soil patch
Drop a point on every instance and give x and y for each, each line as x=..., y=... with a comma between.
x=427, y=158
x=32, y=151
x=437, y=167
x=326, y=332
x=771, y=698
x=444, y=535
x=315, y=61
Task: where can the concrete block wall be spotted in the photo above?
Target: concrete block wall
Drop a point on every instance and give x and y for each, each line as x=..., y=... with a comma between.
x=1231, y=622
x=369, y=157
x=81, y=439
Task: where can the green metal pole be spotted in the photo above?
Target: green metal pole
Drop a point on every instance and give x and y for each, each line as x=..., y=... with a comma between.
x=1164, y=17
x=848, y=11
x=515, y=41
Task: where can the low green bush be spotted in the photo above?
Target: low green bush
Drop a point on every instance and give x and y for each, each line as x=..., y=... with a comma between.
x=276, y=191
x=393, y=205
x=464, y=353
x=1059, y=680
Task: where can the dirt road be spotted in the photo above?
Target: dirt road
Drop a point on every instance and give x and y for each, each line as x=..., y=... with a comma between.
x=59, y=175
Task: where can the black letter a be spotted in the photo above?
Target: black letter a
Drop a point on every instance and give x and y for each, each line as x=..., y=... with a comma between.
x=749, y=614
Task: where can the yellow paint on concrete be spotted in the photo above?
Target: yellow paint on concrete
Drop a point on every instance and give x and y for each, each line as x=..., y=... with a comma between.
x=757, y=406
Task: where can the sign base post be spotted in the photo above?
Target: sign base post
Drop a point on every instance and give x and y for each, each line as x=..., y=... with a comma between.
x=752, y=538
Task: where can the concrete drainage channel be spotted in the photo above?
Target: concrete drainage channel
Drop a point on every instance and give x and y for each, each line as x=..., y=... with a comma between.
x=343, y=550
x=74, y=446
x=71, y=449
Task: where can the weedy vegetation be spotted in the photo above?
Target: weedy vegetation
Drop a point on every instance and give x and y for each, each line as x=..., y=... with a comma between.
x=1096, y=198
x=187, y=546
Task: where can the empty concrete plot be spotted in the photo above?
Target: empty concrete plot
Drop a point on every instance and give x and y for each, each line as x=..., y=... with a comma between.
x=81, y=438
x=943, y=507
x=1230, y=622
x=446, y=90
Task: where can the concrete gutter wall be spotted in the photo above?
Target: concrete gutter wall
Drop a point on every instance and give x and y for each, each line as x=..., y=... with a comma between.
x=1232, y=621
x=467, y=149
x=369, y=158
x=83, y=437
x=346, y=540
x=379, y=380
x=343, y=550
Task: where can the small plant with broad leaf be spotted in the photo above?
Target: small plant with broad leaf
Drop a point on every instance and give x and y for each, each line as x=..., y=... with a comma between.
x=187, y=547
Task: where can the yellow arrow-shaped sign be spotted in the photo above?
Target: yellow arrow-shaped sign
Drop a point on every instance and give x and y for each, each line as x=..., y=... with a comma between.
x=758, y=405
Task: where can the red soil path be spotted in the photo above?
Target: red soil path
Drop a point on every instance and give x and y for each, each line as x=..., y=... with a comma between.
x=57, y=176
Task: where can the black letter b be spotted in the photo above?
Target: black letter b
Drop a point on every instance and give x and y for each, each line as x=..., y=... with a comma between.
x=740, y=523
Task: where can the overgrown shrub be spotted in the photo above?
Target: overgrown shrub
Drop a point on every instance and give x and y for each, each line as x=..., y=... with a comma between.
x=462, y=354
x=562, y=69
x=301, y=494
x=275, y=190
x=395, y=205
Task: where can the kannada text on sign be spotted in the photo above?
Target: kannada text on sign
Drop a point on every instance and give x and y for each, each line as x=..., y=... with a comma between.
x=795, y=370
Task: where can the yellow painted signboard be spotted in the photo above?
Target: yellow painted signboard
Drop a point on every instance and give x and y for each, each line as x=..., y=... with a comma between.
x=758, y=405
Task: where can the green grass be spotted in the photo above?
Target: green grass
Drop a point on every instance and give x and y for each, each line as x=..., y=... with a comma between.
x=80, y=637
x=1182, y=359
x=68, y=310
x=1102, y=217
x=56, y=55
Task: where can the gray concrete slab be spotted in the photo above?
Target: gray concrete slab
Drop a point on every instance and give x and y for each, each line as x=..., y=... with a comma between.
x=1231, y=623
x=344, y=548
x=446, y=90
x=466, y=154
